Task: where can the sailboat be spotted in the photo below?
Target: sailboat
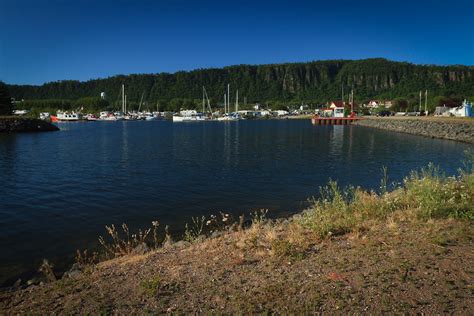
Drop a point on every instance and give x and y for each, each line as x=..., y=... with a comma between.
x=193, y=115
x=233, y=116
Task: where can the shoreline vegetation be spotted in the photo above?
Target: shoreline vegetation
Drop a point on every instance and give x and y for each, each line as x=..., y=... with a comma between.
x=407, y=248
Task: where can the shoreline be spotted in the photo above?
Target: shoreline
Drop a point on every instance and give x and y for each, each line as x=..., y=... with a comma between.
x=399, y=250
x=457, y=129
x=12, y=124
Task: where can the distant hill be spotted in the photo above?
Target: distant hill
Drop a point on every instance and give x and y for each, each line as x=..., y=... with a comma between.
x=312, y=82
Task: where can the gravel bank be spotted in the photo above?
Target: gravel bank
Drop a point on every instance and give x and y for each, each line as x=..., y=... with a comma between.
x=454, y=129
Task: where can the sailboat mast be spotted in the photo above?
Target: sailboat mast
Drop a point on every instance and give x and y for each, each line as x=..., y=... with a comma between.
x=237, y=101
x=208, y=103
x=125, y=105
x=352, y=100
x=228, y=97
x=123, y=98
x=203, y=103
x=225, y=100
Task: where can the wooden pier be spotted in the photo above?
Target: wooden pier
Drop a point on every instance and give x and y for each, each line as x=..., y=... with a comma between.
x=317, y=120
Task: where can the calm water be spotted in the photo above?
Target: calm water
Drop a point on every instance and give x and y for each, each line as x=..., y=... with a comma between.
x=60, y=189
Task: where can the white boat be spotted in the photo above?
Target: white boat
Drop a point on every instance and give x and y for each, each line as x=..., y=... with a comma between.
x=107, y=116
x=91, y=117
x=230, y=117
x=150, y=117
x=234, y=116
x=189, y=116
x=465, y=110
x=119, y=116
x=20, y=112
x=68, y=116
x=45, y=116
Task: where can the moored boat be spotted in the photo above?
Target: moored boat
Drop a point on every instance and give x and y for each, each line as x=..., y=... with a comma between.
x=68, y=116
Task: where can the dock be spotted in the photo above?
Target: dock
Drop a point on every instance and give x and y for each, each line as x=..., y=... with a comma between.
x=317, y=120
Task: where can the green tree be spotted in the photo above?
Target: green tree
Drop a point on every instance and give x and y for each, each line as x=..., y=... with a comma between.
x=400, y=105
x=6, y=106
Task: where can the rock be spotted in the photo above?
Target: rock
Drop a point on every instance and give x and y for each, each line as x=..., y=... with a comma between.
x=453, y=130
x=74, y=272
x=182, y=244
x=141, y=249
x=20, y=124
x=200, y=238
x=217, y=234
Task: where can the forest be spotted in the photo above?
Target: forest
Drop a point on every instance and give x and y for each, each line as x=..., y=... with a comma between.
x=277, y=85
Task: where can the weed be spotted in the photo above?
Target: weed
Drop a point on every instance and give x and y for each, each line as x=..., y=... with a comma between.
x=151, y=286
x=85, y=259
x=259, y=217
x=123, y=245
x=193, y=232
x=284, y=248
x=47, y=269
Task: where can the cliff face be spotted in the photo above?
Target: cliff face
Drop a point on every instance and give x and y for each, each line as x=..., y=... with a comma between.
x=319, y=80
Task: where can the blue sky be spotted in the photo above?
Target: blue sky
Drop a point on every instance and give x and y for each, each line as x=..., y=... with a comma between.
x=42, y=41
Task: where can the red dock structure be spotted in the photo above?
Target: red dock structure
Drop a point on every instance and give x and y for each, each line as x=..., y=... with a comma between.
x=317, y=120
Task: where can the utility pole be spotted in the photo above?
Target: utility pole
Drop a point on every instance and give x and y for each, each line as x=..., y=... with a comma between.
x=203, y=104
x=426, y=102
x=342, y=92
x=419, y=108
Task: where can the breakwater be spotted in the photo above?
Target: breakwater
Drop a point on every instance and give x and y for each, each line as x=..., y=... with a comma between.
x=19, y=124
x=445, y=128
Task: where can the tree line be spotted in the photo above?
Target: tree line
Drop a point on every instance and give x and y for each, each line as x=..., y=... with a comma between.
x=314, y=83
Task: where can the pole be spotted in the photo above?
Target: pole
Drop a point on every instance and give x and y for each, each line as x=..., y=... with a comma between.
x=225, y=99
x=123, y=97
x=419, y=108
x=203, y=104
x=342, y=93
x=426, y=102
x=237, y=101
x=352, y=101
x=228, y=97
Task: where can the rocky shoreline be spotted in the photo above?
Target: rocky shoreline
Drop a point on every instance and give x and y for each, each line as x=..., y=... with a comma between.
x=444, y=128
x=20, y=124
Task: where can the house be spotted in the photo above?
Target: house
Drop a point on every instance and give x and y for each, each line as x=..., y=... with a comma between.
x=336, y=104
x=387, y=104
x=337, y=108
x=281, y=113
x=373, y=104
x=258, y=107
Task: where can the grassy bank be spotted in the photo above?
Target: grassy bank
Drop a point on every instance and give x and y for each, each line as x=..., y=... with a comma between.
x=407, y=248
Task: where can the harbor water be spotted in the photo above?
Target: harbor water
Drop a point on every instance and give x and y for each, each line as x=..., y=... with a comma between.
x=60, y=189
